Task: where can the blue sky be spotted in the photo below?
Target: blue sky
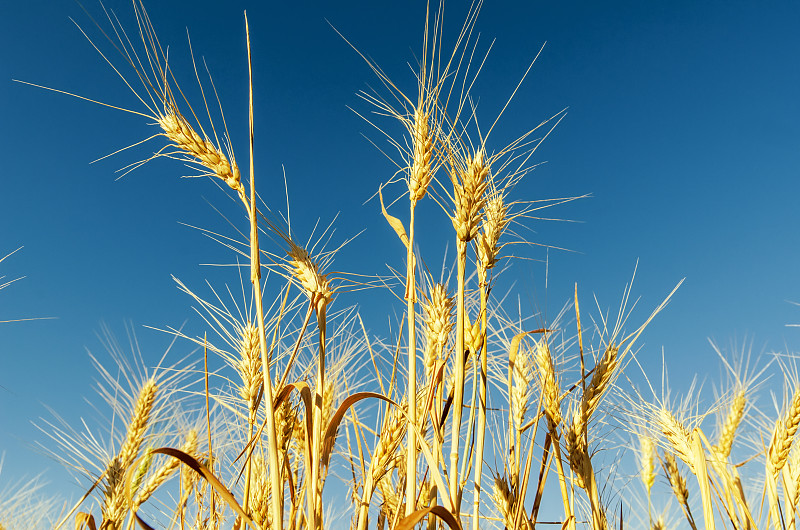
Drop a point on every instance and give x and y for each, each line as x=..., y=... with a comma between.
x=682, y=124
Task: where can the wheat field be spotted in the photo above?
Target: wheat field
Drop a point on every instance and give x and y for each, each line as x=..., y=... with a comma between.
x=469, y=411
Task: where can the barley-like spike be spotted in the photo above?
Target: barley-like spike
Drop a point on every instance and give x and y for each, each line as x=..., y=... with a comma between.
x=260, y=492
x=473, y=337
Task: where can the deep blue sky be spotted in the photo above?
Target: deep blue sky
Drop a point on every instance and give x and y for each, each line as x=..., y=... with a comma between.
x=683, y=124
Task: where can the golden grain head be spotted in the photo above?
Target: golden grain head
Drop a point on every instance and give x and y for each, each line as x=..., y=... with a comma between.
x=166, y=470
x=138, y=424
x=473, y=337
x=504, y=500
x=199, y=150
x=604, y=371
x=260, y=490
x=732, y=421
x=468, y=196
x=783, y=435
x=548, y=382
x=307, y=274
x=422, y=144
x=577, y=451
x=495, y=220
x=678, y=436
x=438, y=309
x=388, y=443
x=521, y=386
x=249, y=364
x=676, y=480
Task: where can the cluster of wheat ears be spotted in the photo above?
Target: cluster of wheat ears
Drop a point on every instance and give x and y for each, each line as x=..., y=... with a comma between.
x=411, y=440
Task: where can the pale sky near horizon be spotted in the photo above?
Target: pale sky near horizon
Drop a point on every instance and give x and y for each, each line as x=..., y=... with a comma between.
x=683, y=123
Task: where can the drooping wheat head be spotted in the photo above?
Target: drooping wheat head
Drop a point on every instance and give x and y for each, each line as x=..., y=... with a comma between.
x=306, y=272
x=198, y=149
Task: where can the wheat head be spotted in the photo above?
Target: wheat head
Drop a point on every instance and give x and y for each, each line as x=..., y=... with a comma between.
x=783, y=434
x=495, y=219
x=180, y=132
x=676, y=480
x=732, y=422
x=438, y=308
x=422, y=141
x=468, y=196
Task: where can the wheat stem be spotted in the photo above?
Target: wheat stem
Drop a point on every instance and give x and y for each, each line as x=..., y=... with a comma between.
x=255, y=279
x=458, y=368
x=411, y=289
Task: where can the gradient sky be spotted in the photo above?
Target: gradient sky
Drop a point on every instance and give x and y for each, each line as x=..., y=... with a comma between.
x=683, y=124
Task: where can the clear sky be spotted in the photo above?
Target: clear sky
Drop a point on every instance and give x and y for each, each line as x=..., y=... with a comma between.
x=683, y=124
